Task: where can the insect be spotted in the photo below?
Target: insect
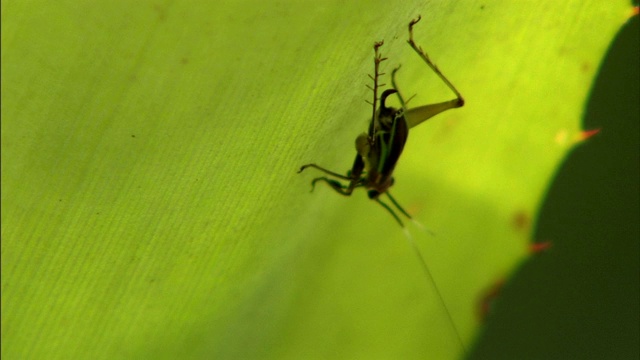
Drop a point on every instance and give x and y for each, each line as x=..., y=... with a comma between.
x=379, y=149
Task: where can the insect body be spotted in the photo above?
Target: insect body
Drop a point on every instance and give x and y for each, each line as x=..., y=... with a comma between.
x=379, y=149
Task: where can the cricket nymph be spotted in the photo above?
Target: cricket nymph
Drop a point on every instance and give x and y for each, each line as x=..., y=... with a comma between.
x=379, y=149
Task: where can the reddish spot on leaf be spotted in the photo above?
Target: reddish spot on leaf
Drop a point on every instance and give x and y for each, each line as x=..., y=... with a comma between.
x=539, y=247
x=584, y=135
x=521, y=220
x=488, y=299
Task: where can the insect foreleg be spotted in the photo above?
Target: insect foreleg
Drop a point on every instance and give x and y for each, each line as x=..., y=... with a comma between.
x=335, y=185
x=329, y=172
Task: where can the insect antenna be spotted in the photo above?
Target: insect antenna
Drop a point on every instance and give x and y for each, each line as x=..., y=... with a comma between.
x=434, y=286
x=403, y=103
x=423, y=263
x=423, y=228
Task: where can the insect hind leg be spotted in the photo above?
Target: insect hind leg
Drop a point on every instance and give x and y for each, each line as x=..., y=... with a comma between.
x=459, y=101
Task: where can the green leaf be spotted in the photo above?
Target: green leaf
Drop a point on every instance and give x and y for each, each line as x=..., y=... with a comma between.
x=151, y=206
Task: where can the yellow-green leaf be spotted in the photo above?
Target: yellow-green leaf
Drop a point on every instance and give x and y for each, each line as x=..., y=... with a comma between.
x=150, y=202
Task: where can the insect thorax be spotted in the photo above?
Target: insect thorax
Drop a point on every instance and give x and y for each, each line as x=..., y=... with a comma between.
x=381, y=148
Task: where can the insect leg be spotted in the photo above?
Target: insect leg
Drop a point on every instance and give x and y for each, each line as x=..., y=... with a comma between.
x=417, y=115
x=395, y=87
x=433, y=66
x=335, y=185
x=339, y=176
x=377, y=59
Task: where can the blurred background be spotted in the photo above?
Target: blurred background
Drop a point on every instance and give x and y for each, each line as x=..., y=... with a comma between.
x=580, y=298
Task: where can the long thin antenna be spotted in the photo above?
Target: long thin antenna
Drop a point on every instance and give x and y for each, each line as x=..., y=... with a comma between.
x=433, y=284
